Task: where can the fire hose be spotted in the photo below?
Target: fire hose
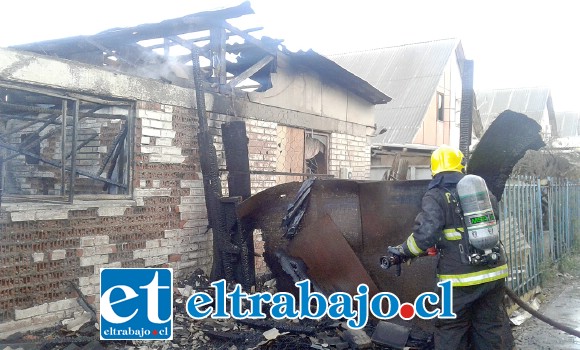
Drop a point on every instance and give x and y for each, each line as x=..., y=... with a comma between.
x=539, y=316
x=387, y=262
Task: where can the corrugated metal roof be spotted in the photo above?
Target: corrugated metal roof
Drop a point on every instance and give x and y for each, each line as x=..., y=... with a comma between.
x=409, y=74
x=529, y=101
x=568, y=124
x=329, y=70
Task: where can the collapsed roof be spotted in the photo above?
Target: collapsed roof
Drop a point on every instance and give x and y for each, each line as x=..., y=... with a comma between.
x=231, y=59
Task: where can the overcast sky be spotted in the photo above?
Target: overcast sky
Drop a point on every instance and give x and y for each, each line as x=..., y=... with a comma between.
x=513, y=43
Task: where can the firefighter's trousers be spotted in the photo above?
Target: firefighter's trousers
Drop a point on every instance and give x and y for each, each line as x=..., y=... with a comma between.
x=482, y=321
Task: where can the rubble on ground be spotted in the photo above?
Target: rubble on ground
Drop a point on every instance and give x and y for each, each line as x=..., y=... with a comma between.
x=81, y=333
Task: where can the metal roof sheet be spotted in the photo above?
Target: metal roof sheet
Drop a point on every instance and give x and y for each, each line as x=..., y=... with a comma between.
x=409, y=74
x=331, y=71
x=529, y=101
x=568, y=124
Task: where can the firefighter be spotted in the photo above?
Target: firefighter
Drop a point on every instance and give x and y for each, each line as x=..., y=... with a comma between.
x=478, y=289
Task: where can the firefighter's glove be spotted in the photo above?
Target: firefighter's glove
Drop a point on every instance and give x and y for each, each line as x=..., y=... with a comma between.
x=398, y=253
x=395, y=256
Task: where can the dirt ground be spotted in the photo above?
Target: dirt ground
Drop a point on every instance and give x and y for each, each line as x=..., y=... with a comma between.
x=560, y=300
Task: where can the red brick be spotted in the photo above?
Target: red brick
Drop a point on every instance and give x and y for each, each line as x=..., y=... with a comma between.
x=174, y=257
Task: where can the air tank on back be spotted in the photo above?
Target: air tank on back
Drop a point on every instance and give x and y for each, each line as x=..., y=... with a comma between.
x=478, y=213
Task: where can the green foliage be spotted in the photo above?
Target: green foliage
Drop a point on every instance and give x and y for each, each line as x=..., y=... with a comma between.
x=570, y=263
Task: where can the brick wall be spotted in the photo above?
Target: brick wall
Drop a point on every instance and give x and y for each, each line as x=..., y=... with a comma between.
x=348, y=151
x=44, y=247
x=262, y=152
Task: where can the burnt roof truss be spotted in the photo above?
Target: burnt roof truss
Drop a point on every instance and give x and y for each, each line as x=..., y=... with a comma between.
x=232, y=58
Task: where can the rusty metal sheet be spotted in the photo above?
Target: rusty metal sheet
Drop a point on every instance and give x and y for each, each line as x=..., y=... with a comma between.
x=331, y=262
x=369, y=215
x=347, y=227
x=388, y=210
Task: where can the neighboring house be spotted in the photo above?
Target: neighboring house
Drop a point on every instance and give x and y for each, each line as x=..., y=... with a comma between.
x=535, y=102
x=568, y=130
x=116, y=182
x=425, y=82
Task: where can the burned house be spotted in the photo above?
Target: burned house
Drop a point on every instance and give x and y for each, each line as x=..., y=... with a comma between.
x=108, y=142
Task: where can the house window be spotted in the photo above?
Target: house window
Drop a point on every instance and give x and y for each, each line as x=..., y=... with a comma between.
x=315, y=153
x=62, y=147
x=300, y=153
x=440, y=106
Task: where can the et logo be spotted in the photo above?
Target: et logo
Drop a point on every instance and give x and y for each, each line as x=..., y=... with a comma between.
x=136, y=304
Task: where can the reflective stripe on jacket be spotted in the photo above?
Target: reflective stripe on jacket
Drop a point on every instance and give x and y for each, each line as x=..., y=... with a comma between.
x=473, y=278
x=453, y=234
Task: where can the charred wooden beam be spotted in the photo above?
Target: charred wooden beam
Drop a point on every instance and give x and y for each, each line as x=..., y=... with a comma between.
x=235, y=143
x=122, y=36
x=108, y=51
x=187, y=43
x=199, y=90
x=114, y=161
x=82, y=144
x=212, y=188
x=250, y=39
x=121, y=135
x=218, y=54
x=63, y=146
x=25, y=108
x=30, y=140
x=73, y=159
x=211, y=181
x=24, y=126
x=250, y=71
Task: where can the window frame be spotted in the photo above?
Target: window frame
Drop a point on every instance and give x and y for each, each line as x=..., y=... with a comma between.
x=68, y=168
x=318, y=134
x=440, y=105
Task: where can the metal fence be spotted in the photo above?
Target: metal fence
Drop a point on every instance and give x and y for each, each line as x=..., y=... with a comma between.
x=538, y=221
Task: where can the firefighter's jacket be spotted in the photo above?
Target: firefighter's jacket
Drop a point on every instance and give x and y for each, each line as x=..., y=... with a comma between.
x=439, y=224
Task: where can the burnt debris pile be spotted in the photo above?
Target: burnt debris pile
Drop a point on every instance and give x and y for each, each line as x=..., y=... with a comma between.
x=222, y=334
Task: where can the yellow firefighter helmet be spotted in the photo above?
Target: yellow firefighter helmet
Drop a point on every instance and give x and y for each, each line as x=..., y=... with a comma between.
x=446, y=158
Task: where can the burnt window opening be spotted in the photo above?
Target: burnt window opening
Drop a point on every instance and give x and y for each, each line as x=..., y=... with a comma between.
x=440, y=106
x=315, y=153
x=301, y=153
x=85, y=154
